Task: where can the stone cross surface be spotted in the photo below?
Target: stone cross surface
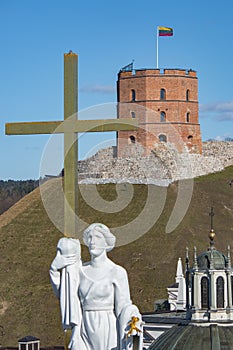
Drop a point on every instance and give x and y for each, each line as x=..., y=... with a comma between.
x=70, y=126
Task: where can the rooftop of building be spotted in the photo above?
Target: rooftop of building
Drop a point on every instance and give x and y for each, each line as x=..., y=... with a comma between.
x=195, y=337
x=128, y=72
x=185, y=334
x=211, y=258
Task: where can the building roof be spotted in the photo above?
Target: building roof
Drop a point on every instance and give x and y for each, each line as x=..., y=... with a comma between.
x=219, y=260
x=174, y=285
x=195, y=337
x=28, y=339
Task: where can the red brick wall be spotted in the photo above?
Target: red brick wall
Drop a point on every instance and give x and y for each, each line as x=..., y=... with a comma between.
x=147, y=107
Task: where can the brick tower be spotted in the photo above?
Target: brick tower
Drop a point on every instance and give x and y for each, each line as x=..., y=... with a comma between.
x=166, y=104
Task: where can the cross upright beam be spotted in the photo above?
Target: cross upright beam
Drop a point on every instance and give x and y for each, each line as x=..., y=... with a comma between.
x=70, y=143
x=70, y=126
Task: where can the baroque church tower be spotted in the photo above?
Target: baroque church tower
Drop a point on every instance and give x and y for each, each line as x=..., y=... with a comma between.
x=166, y=103
x=207, y=320
x=211, y=282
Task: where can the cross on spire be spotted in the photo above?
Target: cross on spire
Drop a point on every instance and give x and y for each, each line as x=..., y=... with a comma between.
x=211, y=214
x=70, y=126
x=212, y=233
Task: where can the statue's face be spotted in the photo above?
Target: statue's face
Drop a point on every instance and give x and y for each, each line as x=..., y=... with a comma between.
x=96, y=243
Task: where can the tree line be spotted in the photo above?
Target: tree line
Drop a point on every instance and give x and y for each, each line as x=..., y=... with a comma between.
x=13, y=190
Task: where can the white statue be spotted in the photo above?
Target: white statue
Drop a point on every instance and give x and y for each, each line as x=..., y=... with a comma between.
x=108, y=319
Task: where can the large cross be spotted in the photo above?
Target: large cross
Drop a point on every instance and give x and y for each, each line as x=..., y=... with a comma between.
x=70, y=126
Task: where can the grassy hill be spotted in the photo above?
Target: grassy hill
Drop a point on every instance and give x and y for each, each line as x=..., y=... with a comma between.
x=28, y=245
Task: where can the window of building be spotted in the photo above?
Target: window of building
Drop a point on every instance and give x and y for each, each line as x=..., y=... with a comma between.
x=204, y=293
x=190, y=138
x=133, y=95
x=188, y=117
x=29, y=345
x=162, y=94
x=162, y=138
x=192, y=290
x=162, y=117
x=220, y=292
x=132, y=114
x=132, y=139
x=187, y=95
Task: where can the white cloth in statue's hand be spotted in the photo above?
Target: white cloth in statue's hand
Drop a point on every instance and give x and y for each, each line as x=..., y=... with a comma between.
x=64, y=274
x=62, y=261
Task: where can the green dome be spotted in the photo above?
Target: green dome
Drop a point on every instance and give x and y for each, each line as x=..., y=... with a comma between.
x=219, y=260
x=183, y=337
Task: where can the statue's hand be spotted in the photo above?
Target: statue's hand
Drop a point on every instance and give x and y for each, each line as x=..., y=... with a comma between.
x=135, y=326
x=62, y=261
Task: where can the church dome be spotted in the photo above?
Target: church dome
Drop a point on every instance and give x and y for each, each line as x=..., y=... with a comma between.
x=219, y=260
x=183, y=337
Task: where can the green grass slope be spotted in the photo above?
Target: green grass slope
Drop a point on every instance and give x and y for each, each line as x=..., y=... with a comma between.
x=28, y=245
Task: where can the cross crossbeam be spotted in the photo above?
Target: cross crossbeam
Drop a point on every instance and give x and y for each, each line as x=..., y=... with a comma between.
x=76, y=126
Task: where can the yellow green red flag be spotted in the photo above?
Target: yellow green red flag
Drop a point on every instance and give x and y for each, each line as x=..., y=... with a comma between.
x=165, y=31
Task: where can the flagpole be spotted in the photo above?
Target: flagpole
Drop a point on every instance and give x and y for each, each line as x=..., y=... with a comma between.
x=157, y=49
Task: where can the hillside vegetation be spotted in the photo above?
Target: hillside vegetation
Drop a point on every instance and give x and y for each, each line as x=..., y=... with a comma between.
x=28, y=245
x=11, y=191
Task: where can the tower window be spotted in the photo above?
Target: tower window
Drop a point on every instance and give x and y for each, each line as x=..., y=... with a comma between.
x=190, y=138
x=132, y=114
x=162, y=94
x=162, y=117
x=133, y=95
x=220, y=292
x=187, y=95
x=132, y=139
x=162, y=138
x=188, y=117
x=204, y=293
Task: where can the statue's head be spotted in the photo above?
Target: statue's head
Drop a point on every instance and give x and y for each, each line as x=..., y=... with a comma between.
x=99, y=235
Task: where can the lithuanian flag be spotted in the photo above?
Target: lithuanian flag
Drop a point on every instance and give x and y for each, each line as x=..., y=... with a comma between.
x=165, y=31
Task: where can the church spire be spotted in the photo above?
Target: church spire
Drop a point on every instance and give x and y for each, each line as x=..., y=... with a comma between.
x=212, y=233
x=229, y=257
x=211, y=214
x=179, y=270
x=195, y=258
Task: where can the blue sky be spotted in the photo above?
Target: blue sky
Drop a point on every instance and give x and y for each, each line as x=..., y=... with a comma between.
x=107, y=35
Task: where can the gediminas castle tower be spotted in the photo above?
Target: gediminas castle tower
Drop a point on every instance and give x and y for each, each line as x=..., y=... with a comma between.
x=165, y=101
